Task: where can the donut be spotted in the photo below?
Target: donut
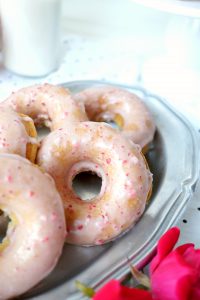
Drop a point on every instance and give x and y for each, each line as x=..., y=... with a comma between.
x=126, y=180
x=17, y=134
x=36, y=232
x=121, y=107
x=48, y=105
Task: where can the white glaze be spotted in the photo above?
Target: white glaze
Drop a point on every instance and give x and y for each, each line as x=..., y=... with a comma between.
x=37, y=235
x=13, y=135
x=126, y=180
x=105, y=103
x=47, y=105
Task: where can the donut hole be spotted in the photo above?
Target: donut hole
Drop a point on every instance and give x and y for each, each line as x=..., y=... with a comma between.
x=113, y=124
x=4, y=223
x=114, y=120
x=42, y=132
x=87, y=185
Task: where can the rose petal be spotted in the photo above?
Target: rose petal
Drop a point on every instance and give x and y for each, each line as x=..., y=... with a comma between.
x=173, y=278
x=196, y=292
x=183, y=248
x=165, y=246
x=131, y=293
x=192, y=257
x=113, y=290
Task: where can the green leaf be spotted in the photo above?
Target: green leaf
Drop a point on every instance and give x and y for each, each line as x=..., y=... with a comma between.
x=86, y=290
x=127, y=280
x=140, y=277
x=141, y=287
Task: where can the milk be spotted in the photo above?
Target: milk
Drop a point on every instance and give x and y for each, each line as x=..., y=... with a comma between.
x=31, y=35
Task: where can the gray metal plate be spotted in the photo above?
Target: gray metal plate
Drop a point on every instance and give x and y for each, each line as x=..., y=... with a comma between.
x=174, y=161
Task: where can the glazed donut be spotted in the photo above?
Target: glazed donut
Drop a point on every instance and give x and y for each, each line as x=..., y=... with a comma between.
x=47, y=105
x=125, y=109
x=126, y=180
x=37, y=229
x=17, y=134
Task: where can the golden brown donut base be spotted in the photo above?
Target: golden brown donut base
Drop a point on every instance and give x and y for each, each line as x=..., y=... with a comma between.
x=143, y=152
x=31, y=149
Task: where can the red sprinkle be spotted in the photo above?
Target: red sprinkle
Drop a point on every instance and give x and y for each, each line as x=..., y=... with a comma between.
x=140, y=178
x=46, y=239
x=99, y=242
x=53, y=216
x=80, y=227
x=108, y=160
x=31, y=194
x=10, y=178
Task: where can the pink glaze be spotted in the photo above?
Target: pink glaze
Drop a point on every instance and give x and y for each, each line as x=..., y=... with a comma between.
x=114, y=104
x=13, y=135
x=47, y=105
x=97, y=147
x=35, y=241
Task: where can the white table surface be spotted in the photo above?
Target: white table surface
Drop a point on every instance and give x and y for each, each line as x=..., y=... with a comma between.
x=183, y=7
x=113, y=40
x=124, y=42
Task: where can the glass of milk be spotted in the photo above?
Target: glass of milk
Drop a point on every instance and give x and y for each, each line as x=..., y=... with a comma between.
x=31, y=36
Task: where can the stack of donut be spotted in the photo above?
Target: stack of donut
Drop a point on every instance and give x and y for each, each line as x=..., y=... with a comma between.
x=36, y=191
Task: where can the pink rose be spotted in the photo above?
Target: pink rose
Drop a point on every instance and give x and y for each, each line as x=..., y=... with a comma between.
x=113, y=290
x=175, y=274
